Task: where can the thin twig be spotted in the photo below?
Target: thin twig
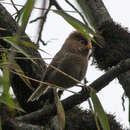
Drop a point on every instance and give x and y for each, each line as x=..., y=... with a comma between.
x=50, y=110
x=22, y=58
x=36, y=19
x=55, y=3
x=14, y=6
x=37, y=7
x=77, y=12
x=42, y=22
x=41, y=82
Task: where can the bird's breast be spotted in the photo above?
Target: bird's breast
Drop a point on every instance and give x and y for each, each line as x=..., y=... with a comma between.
x=71, y=65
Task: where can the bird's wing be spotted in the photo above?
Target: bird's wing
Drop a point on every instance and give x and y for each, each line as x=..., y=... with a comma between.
x=42, y=89
x=70, y=64
x=67, y=64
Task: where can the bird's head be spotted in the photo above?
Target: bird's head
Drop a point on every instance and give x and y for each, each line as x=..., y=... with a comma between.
x=77, y=42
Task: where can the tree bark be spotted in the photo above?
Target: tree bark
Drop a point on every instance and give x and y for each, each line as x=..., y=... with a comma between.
x=21, y=90
x=44, y=115
x=98, y=14
x=95, y=12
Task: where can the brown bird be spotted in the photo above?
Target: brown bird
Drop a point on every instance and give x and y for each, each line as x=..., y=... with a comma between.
x=72, y=59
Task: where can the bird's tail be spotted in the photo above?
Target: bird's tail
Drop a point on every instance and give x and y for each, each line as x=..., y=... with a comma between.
x=38, y=93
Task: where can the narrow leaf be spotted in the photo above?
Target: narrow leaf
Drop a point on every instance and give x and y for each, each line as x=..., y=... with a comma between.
x=12, y=41
x=6, y=98
x=97, y=122
x=10, y=103
x=99, y=110
x=83, y=28
x=60, y=111
x=83, y=5
x=12, y=65
x=17, y=68
x=25, y=13
x=49, y=84
x=6, y=82
x=29, y=44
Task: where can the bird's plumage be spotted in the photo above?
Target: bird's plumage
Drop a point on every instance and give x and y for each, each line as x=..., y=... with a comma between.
x=72, y=59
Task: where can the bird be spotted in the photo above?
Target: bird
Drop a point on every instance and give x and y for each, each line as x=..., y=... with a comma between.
x=68, y=66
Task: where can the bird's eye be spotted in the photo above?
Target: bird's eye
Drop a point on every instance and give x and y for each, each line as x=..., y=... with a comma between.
x=83, y=42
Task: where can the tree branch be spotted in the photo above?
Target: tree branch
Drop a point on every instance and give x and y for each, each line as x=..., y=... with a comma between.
x=100, y=15
x=21, y=90
x=12, y=124
x=47, y=112
x=95, y=12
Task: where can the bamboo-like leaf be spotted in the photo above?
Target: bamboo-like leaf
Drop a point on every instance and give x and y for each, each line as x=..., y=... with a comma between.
x=60, y=111
x=23, y=42
x=12, y=41
x=83, y=5
x=26, y=81
x=18, y=17
x=9, y=102
x=16, y=67
x=6, y=98
x=25, y=13
x=95, y=115
x=83, y=28
x=6, y=82
x=99, y=110
x=29, y=44
x=48, y=84
x=84, y=20
x=97, y=122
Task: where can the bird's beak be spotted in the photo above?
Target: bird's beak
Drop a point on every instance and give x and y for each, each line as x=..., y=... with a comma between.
x=89, y=45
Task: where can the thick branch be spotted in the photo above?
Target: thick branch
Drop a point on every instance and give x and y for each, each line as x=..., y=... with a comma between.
x=12, y=124
x=99, y=14
x=47, y=112
x=95, y=12
x=21, y=90
x=7, y=21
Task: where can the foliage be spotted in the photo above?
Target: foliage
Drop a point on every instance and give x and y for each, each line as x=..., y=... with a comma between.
x=17, y=42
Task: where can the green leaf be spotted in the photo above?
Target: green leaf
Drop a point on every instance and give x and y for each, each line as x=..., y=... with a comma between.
x=25, y=13
x=6, y=82
x=95, y=115
x=9, y=101
x=12, y=41
x=97, y=122
x=83, y=28
x=1, y=81
x=29, y=44
x=60, y=111
x=99, y=110
x=87, y=13
x=18, y=69
x=6, y=98
x=14, y=66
